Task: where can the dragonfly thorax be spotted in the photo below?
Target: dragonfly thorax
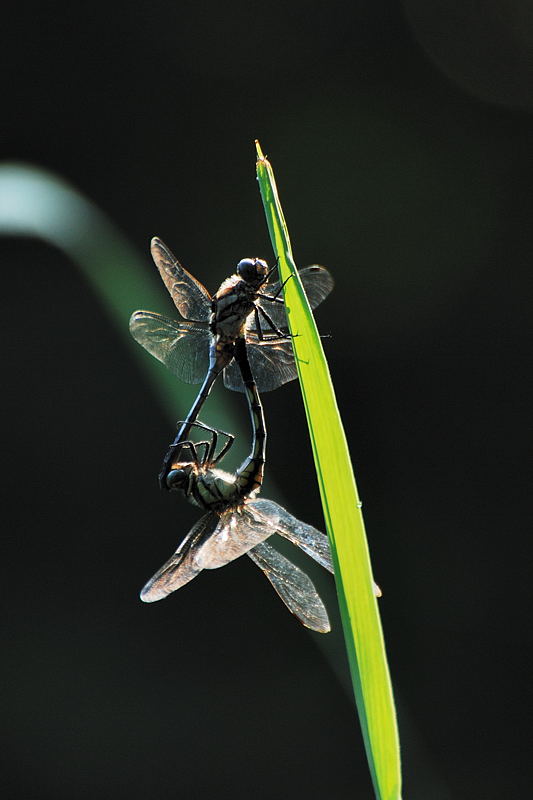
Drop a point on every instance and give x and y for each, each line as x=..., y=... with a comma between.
x=204, y=486
x=216, y=490
x=232, y=305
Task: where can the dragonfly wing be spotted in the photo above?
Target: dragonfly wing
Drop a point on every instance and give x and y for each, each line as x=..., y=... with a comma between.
x=272, y=364
x=293, y=586
x=309, y=539
x=182, y=346
x=190, y=297
x=237, y=532
x=317, y=282
x=181, y=567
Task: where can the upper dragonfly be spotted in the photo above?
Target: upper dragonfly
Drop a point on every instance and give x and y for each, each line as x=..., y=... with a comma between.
x=236, y=523
x=201, y=344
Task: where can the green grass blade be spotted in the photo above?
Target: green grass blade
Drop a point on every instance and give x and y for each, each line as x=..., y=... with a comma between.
x=343, y=516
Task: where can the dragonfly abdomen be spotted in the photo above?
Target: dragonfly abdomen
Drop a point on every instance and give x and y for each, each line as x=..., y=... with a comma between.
x=249, y=477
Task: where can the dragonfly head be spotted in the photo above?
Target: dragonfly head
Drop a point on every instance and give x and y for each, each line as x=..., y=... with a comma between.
x=253, y=271
x=178, y=478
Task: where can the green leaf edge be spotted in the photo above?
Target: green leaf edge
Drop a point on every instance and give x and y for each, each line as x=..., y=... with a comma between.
x=342, y=513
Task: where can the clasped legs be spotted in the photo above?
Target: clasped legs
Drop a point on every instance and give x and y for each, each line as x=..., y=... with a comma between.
x=209, y=457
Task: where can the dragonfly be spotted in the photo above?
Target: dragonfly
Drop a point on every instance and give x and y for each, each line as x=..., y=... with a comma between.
x=200, y=344
x=235, y=522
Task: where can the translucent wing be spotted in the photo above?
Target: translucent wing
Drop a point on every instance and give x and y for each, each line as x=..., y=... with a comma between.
x=317, y=282
x=182, y=346
x=272, y=364
x=309, y=539
x=191, y=298
x=293, y=586
x=237, y=532
x=181, y=567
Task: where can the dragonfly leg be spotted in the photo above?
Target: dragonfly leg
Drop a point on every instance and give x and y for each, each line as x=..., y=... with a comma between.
x=272, y=269
x=192, y=447
x=271, y=299
x=198, y=424
x=224, y=449
x=215, y=433
x=207, y=445
x=271, y=325
x=275, y=297
x=258, y=324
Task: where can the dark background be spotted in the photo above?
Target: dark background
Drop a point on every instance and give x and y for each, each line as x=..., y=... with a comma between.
x=401, y=137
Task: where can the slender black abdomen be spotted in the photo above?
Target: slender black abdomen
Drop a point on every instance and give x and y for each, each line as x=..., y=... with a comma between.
x=220, y=356
x=250, y=475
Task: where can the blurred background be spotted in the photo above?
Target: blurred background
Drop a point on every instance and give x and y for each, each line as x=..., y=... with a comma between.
x=401, y=138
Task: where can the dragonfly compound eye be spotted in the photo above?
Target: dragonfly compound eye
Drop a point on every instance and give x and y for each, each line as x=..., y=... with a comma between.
x=177, y=479
x=252, y=270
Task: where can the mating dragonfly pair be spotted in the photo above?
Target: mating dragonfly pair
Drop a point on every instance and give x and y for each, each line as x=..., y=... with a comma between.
x=241, y=332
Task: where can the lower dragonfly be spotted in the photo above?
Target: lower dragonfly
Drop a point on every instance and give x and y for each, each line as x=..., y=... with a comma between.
x=200, y=345
x=236, y=524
